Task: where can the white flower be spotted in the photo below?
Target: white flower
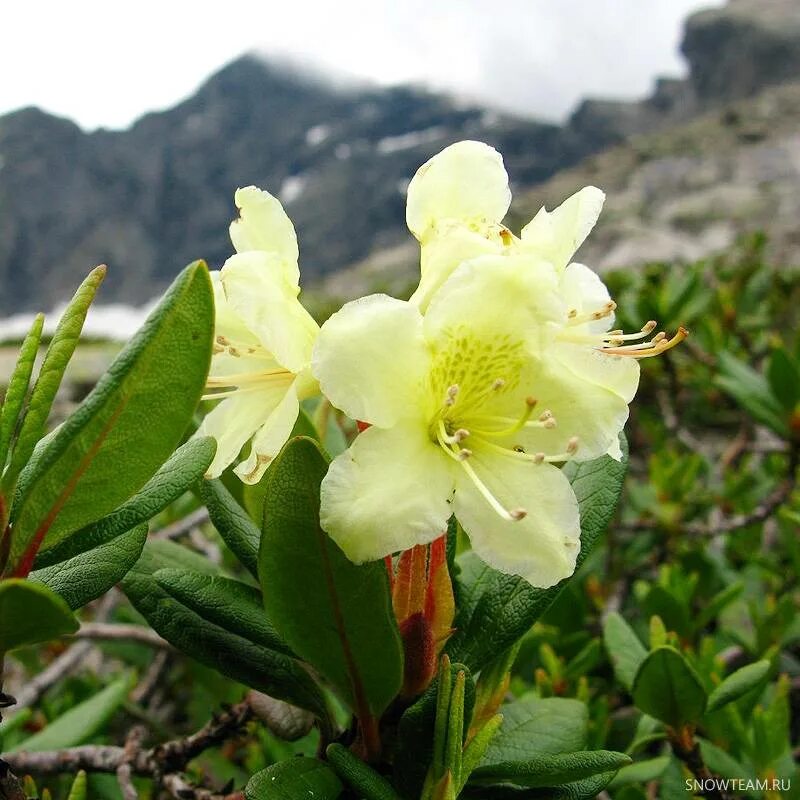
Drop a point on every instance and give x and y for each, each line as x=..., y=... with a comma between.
x=264, y=338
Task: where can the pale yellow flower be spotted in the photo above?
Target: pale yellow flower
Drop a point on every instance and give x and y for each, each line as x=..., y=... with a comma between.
x=264, y=337
x=470, y=415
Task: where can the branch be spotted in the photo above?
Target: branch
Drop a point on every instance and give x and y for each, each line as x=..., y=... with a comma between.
x=183, y=526
x=121, y=632
x=157, y=762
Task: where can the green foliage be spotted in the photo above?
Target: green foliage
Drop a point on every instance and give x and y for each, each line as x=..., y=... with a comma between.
x=104, y=453
x=268, y=670
x=80, y=723
x=341, y=621
x=296, y=779
x=31, y=613
x=89, y=575
x=178, y=473
x=668, y=688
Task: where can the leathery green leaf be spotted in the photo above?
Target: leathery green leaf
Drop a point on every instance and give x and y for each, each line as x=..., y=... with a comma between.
x=125, y=429
x=80, y=723
x=181, y=470
x=668, y=688
x=89, y=575
x=18, y=387
x=261, y=668
x=341, y=621
x=296, y=779
x=31, y=613
x=60, y=351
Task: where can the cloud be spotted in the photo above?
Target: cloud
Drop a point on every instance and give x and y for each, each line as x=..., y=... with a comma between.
x=106, y=64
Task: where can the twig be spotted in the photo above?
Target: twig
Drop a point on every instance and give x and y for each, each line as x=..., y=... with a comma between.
x=686, y=749
x=183, y=526
x=124, y=772
x=144, y=690
x=121, y=632
x=182, y=790
x=157, y=762
x=58, y=669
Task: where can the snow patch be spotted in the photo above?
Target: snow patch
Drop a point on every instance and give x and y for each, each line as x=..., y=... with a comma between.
x=317, y=135
x=405, y=141
x=116, y=322
x=291, y=188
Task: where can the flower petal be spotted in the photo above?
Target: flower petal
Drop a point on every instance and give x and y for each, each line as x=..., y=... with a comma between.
x=543, y=546
x=370, y=359
x=466, y=182
x=445, y=250
x=389, y=491
x=269, y=307
x=263, y=225
x=270, y=438
x=556, y=235
x=582, y=408
x=233, y=422
x=497, y=296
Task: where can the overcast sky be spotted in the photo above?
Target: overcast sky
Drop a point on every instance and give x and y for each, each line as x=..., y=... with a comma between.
x=104, y=64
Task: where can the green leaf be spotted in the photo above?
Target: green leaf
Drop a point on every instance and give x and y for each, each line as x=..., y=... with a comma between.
x=18, y=387
x=751, y=390
x=538, y=726
x=738, y=684
x=80, y=723
x=641, y=772
x=235, y=527
x=268, y=671
x=58, y=355
x=181, y=470
x=89, y=575
x=667, y=687
x=495, y=610
x=717, y=604
x=624, y=648
x=125, y=429
x=78, y=789
x=297, y=779
x=551, y=769
x=416, y=731
x=358, y=776
x=31, y=613
x=341, y=622
x=783, y=374
x=231, y=604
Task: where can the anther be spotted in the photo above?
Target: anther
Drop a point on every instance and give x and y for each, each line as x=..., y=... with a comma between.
x=517, y=514
x=550, y=423
x=573, y=312
x=572, y=446
x=464, y=454
x=545, y=415
x=452, y=393
x=649, y=326
x=498, y=384
x=531, y=401
x=460, y=434
x=538, y=458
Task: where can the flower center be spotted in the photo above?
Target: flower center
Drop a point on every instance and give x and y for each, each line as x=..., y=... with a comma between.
x=467, y=378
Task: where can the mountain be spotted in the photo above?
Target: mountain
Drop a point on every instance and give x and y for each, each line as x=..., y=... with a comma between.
x=150, y=199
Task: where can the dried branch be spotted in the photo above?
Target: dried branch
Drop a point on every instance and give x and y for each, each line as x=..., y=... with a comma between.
x=57, y=670
x=124, y=770
x=121, y=632
x=183, y=526
x=157, y=762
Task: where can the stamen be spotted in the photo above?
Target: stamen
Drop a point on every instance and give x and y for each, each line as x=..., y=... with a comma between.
x=574, y=318
x=498, y=384
x=511, y=516
x=243, y=378
x=657, y=345
x=523, y=421
x=452, y=393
